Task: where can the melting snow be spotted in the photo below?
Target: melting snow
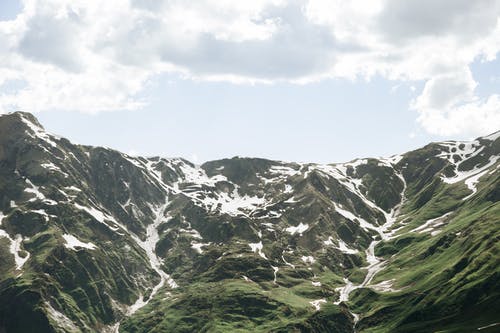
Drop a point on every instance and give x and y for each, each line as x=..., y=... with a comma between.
x=284, y=171
x=469, y=150
x=237, y=204
x=344, y=248
x=395, y=159
x=290, y=200
x=374, y=264
x=329, y=241
x=39, y=132
x=275, y=269
x=198, y=246
x=345, y=291
x=63, y=321
x=257, y=247
x=342, y=245
x=432, y=224
x=99, y=216
x=308, y=259
x=149, y=245
x=357, y=162
x=350, y=216
x=246, y=278
x=384, y=286
x=74, y=243
x=286, y=262
x=462, y=175
x=73, y=188
x=488, y=326
x=317, y=303
x=41, y=212
x=298, y=229
x=53, y=167
x=38, y=195
x=472, y=181
x=15, y=246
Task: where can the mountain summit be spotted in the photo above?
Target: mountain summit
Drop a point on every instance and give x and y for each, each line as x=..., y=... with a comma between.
x=94, y=240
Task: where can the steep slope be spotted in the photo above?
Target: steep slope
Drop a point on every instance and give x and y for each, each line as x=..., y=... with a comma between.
x=96, y=240
x=77, y=216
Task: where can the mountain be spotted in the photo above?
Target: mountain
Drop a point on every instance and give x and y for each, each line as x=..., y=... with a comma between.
x=94, y=240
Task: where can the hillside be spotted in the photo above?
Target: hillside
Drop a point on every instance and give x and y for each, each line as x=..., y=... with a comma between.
x=94, y=240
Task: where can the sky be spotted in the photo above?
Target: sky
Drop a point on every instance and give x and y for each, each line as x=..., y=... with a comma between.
x=297, y=80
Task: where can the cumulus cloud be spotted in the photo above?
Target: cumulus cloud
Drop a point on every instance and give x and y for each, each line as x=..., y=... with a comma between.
x=448, y=105
x=463, y=19
x=93, y=56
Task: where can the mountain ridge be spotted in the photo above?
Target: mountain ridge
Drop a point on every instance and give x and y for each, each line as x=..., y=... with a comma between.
x=282, y=244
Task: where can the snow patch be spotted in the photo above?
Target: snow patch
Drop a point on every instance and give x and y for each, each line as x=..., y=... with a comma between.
x=298, y=229
x=283, y=171
x=41, y=212
x=488, y=326
x=472, y=182
x=350, y=216
x=198, y=246
x=432, y=224
x=317, y=303
x=344, y=248
x=98, y=215
x=39, y=132
x=395, y=159
x=384, y=286
x=345, y=291
x=257, y=247
x=60, y=319
x=329, y=241
x=53, y=167
x=149, y=245
x=74, y=243
x=463, y=175
x=35, y=190
x=275, y=269
x=286, y=262
x=308, y=259
x=246, y=278
x=291, y=200
x=73, y=188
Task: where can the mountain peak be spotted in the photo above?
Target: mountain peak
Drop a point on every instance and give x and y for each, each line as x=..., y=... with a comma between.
x=27, y=118
x=95, y=240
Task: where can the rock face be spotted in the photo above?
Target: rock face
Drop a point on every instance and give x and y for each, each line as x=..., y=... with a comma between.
x=94, y=240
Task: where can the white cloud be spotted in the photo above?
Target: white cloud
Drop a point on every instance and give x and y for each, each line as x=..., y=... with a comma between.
x=93, y=56
x=447, y=91
x=403, y=21
x=449, y=106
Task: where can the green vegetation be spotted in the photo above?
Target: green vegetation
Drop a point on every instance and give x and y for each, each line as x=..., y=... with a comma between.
x=252, y=244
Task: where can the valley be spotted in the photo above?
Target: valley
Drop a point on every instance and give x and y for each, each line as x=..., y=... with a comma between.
x=95, y=240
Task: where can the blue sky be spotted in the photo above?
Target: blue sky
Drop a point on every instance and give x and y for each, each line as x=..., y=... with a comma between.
x=274, y=79
x=9, y=9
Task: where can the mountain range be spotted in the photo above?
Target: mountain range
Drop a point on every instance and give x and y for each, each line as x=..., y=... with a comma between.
x=95, y=240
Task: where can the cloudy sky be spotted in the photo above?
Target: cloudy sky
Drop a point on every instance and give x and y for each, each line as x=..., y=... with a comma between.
x=304, y=80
